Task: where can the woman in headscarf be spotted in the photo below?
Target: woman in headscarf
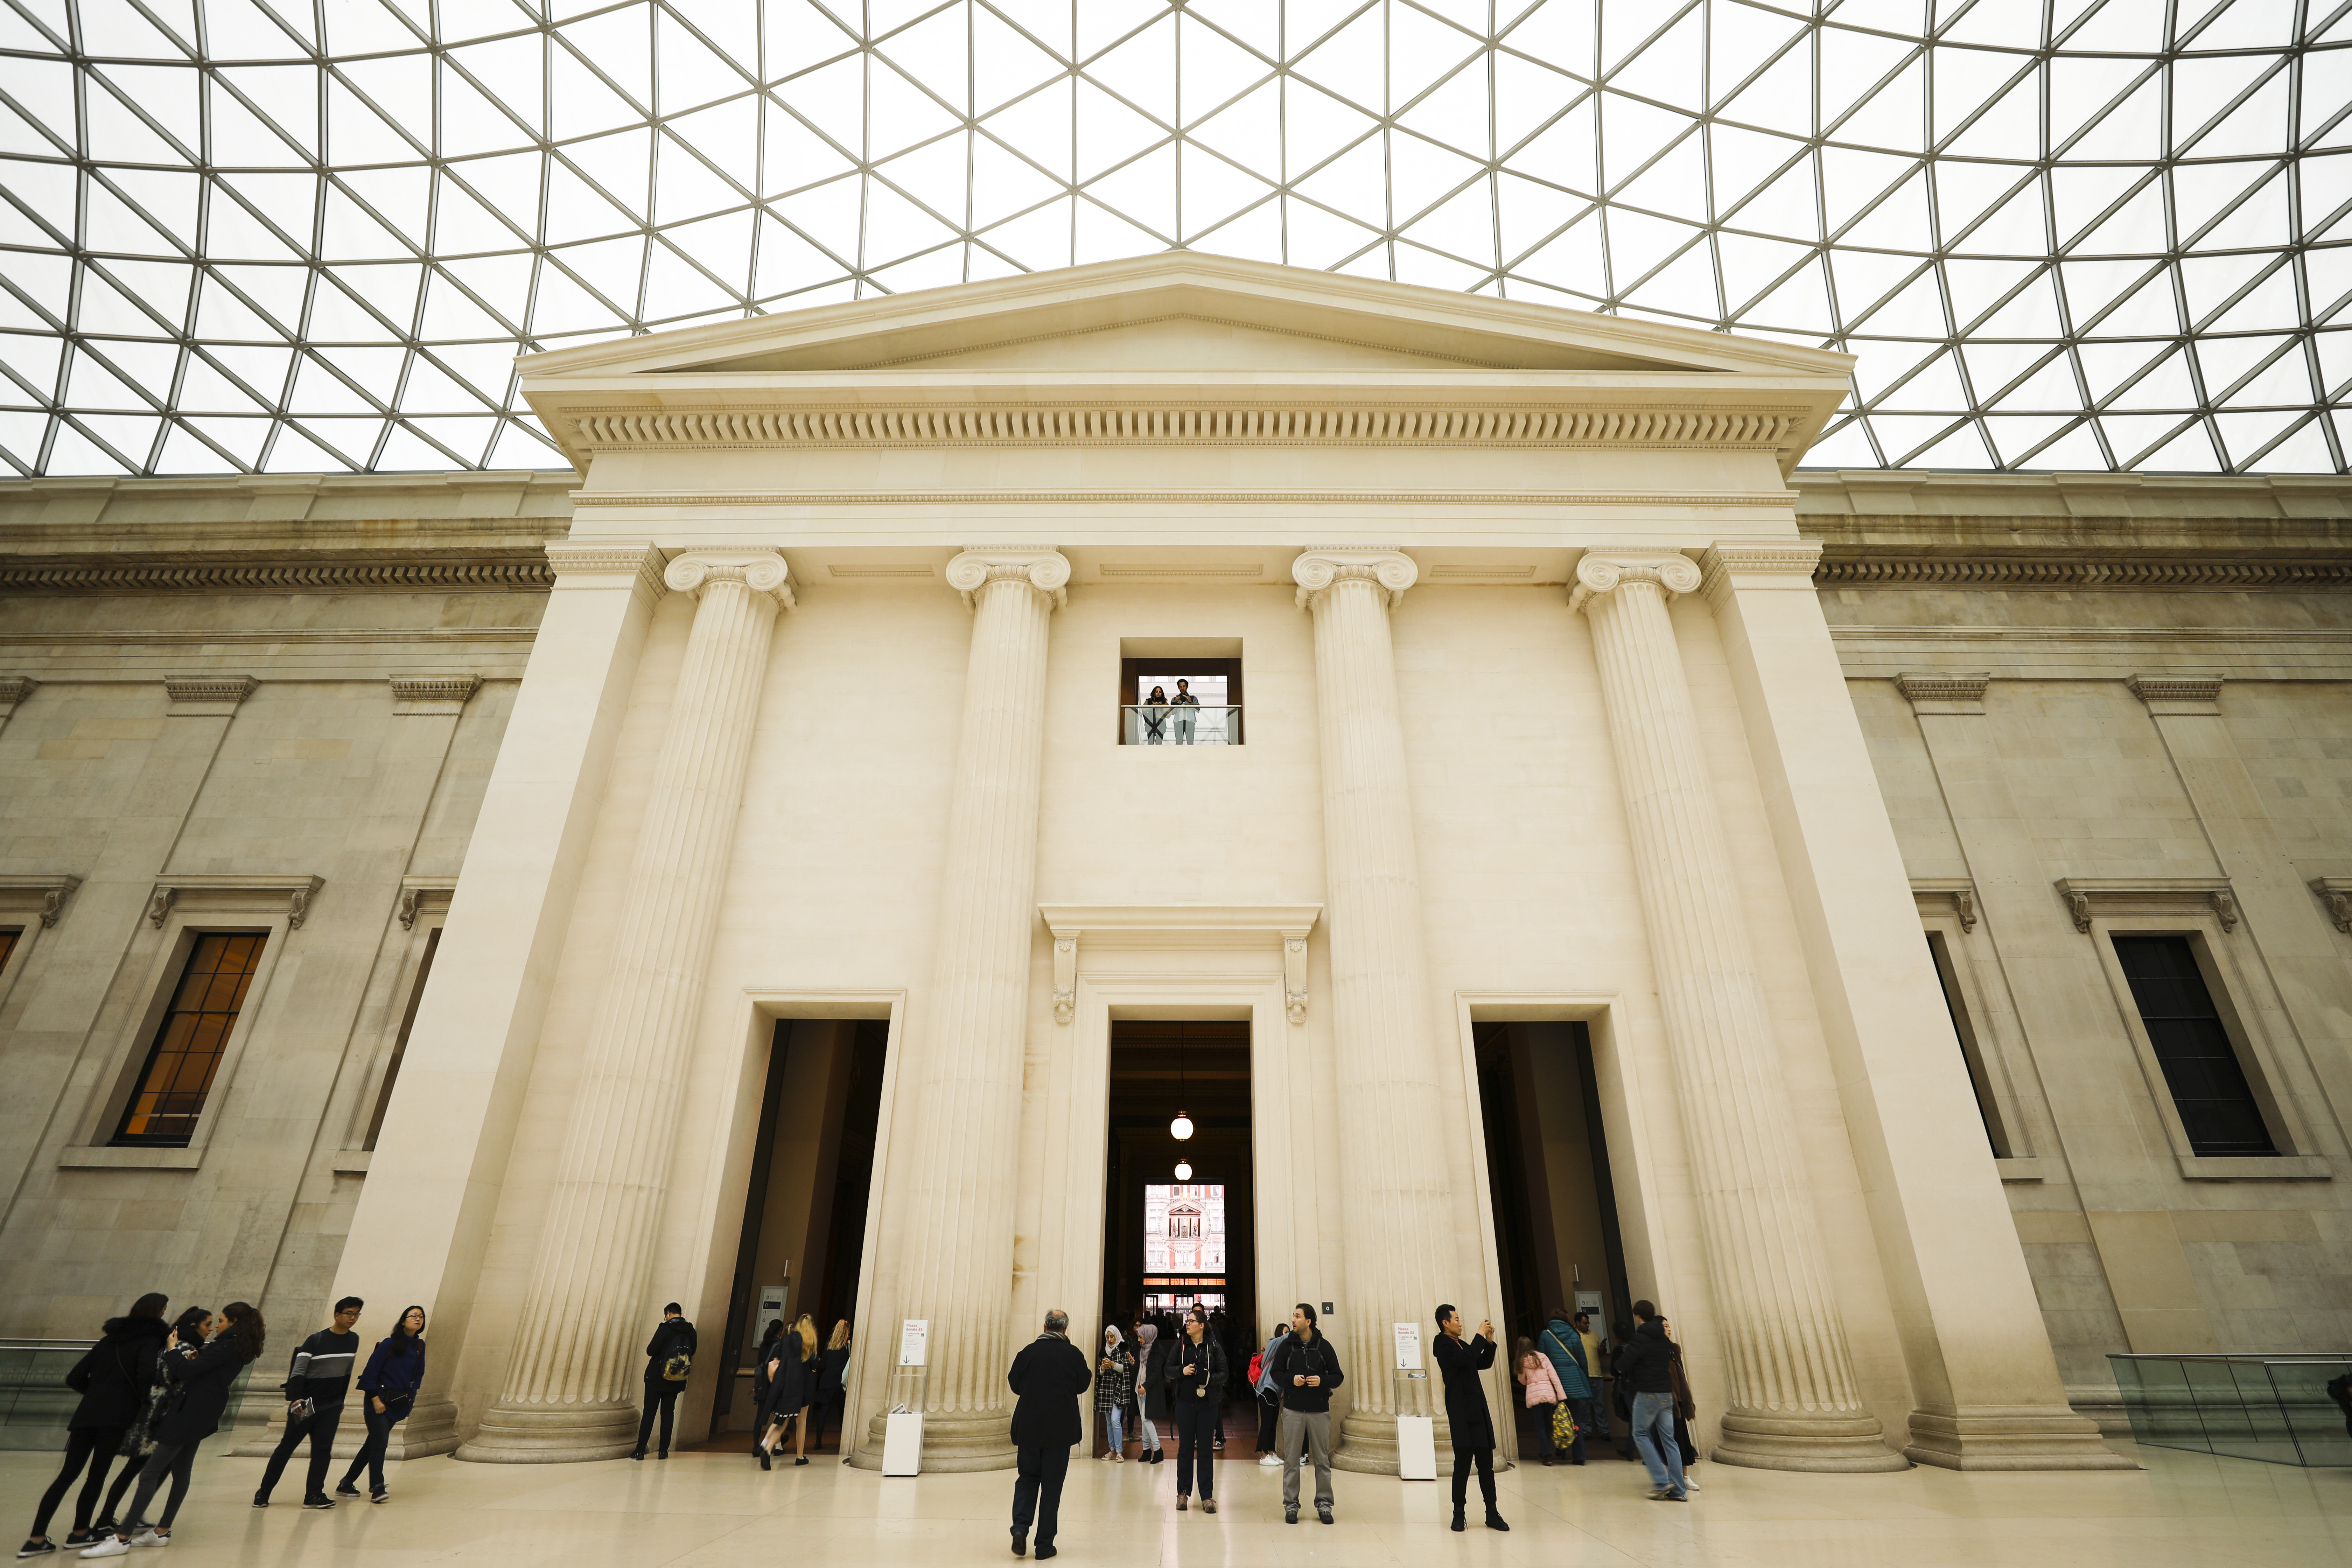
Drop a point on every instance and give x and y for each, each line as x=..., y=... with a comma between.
x=1114, y=1391
x=792, y=1383
x=395, y=1372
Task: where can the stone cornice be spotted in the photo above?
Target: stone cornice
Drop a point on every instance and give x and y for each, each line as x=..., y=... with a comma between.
x=1726, y=567
x=1848, y=566
x=1906, y=494
x=1943, y=692
x=667, y=500
x=405, y=574
x=629, y=429
x=2177, y=694
x=52, y=888
x=202, y=696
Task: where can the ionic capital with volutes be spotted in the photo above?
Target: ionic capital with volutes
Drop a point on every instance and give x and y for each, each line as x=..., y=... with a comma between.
x=1318, y=569
x=1043, y=568
x=763, y=571
x=1604, y=572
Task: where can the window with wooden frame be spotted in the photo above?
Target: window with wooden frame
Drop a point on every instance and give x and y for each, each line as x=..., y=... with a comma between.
x=9, y=937
x=185, y=1052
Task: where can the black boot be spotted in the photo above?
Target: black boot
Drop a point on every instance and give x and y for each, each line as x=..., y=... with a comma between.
x=1460, y=1522
x=1493, y=1519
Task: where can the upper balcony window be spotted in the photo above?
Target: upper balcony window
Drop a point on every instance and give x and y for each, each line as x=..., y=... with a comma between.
x=1184, y=700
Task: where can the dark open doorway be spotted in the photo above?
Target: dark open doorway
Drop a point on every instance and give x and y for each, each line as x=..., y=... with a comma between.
x=805, y=1214
x=1556, y=1237
x=1169, y=1240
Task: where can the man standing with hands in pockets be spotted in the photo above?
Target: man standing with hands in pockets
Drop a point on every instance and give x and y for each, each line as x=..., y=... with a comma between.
x=1305, y=1369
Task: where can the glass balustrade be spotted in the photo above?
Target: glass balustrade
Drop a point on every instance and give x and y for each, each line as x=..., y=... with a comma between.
x=1180, y=724
x=2271, y=1407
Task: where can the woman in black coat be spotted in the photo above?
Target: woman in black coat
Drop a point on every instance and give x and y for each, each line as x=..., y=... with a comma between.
x=760, y=1385
x=112, y=1381
x=1196, y=1388
x=832, y=1382
x=1466, y=1410
x=203, y=1377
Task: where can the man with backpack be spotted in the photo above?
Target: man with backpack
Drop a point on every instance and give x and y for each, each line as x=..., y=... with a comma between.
x=669, y=1361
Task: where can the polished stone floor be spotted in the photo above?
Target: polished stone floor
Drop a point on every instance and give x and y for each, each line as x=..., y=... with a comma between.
x=714, y=1510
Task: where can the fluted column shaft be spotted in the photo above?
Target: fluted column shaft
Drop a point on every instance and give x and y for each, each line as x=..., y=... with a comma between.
x=1793, y=1402
x=964, y=1071
x=571, y=1389
x=1395, y=1209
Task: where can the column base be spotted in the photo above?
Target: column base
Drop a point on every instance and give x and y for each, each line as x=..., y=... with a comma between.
x=2010, y=1438
x=432, y=1430
x=553, y=1434
x=1835, y=1445
x=1367, y=1445
x=964, y=1441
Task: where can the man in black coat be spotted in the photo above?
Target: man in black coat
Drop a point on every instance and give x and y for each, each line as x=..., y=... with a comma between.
x=1046, y=1379
x=671, y=1350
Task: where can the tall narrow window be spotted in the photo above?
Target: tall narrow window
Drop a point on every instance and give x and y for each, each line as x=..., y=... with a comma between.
x=400, y=1045
x=188, y=1045
x=1971, y=1050
x=9, y=936
x=2217, y=1105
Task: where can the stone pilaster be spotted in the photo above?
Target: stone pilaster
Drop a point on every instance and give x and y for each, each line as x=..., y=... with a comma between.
x=1793, y=1403
x=952, y=1261
x=1395, y=1214
x=571, y=1389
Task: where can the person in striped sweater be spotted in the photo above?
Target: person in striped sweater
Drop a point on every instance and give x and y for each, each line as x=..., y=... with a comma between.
x=316, y=1385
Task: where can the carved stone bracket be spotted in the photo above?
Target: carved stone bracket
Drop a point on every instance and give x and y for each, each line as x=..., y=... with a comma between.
x=54, y=887
x=1046, y=569
x=413, y=694
x=416, y=892
x=2335, y=893
x=297, y=892
x=1943, y=692
x=762, y=571
x=206, y=695
x=2190, y=694
x=1600, y=572
x=1162, y=926
x=1320, y=566
x=15, y=689
x=2087, y=896
x=1960, y=892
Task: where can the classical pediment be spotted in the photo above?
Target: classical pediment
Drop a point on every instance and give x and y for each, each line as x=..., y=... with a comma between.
x=1182, y=347
x=1191, y=311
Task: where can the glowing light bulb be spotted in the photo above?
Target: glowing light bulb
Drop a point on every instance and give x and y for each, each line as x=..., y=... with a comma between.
x=1184, y=1170
x=1182, y=1128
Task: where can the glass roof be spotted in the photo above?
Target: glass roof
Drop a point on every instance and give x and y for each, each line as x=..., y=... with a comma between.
x=305, y=234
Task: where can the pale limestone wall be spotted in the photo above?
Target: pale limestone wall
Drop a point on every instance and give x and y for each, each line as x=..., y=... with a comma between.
x=320, y=594
x=2126, y=1251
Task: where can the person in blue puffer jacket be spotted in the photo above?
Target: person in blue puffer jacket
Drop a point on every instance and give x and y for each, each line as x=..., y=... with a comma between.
x=395, y=1372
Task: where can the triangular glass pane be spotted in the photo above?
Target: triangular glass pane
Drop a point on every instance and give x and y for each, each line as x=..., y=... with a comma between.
x=1103, y=235
x=1567, y=153
x=1318, y=238
x=1213, y=190
x=1136, y=70
x=2166, y=385
x=1038, y=126
x=1526, y=95
x=1531, y=213
x=1143, y=192
x=1892, y=117
x=2190, y=452
x=1350, y=64
x=1573, y=261
x=1254, y=236
x=899, y=113
x=1562, y=34
x=1249, y=132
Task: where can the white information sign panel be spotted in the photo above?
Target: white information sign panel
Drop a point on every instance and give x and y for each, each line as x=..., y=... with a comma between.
x=914, y=1338
x=1408, y=1347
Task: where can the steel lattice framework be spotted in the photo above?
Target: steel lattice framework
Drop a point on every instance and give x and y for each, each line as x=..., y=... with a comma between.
x=302, y=235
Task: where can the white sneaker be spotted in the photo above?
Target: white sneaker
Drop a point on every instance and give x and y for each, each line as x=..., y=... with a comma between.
x=113, y=1546
x=1689, y=1485
x=150, y=1537
x=1272, y=1460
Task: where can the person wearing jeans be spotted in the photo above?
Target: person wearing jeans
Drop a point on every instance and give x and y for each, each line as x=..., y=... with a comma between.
x=395, y=1370
x=1647, y=1364
x=1114, y=1387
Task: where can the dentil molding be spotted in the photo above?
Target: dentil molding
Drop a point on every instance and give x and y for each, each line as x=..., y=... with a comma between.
x=631, y=563
x=414, y=694
x=1725, y=569
x=1600, y=572
x=206, y=695
x=762, y=571
x=1391, y=572
x=2177, y=694
x=1044, y=568
x=1943, y=692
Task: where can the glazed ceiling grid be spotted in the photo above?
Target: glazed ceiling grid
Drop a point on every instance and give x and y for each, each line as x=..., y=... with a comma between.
x=288, y=237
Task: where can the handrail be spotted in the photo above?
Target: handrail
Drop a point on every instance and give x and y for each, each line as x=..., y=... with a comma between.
x=1179, y=723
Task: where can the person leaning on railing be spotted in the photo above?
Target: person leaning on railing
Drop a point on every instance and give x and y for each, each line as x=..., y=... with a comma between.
x=112, y=1380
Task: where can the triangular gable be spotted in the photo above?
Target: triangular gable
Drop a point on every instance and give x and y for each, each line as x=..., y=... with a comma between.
x=1325, y=320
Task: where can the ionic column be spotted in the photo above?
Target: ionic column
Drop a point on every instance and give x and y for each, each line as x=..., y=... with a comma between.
x=1793, y=1404
x=1395, y=1214
x=572, y=1386
x=949, y=1241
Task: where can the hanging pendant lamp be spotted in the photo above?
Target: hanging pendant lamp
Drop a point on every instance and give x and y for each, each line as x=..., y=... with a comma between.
x=1184, y=1170
x=1182, y=1128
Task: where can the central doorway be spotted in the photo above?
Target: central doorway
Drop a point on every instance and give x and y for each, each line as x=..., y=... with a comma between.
x=1172, y=1240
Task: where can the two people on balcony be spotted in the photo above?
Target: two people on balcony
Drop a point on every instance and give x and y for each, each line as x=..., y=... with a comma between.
x=1169, y=721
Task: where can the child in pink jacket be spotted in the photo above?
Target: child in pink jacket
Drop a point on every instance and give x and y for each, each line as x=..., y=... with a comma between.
x=1544, y=1393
